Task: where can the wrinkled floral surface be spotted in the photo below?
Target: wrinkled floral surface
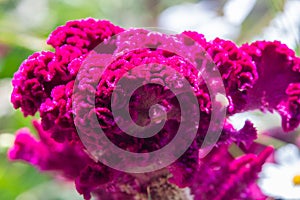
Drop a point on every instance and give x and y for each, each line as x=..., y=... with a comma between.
x=262, y=75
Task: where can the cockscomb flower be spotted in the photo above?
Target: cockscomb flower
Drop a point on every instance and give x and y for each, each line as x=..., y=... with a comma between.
x=45, y=74
x=220, y=176
x=235, y=66
x=278, y=83
x=48, y=83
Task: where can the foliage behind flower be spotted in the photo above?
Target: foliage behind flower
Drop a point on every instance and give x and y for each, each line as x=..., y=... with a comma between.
x=252, y=76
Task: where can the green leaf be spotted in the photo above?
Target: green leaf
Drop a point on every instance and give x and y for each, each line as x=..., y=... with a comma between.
x=15, y=178
x=11, y=62
x=11, y=123
x=297, y=50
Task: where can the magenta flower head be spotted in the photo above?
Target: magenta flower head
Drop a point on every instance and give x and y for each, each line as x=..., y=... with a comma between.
x=137, y=114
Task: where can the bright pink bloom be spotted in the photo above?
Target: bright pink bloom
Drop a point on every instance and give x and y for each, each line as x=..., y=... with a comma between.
x=253, y=78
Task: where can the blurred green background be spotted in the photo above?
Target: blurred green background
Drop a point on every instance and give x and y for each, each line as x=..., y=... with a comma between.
x=25, y=25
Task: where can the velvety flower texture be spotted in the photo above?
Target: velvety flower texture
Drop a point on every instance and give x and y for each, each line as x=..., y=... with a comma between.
x=263, y=75
x=233, y=178
x=278, y=85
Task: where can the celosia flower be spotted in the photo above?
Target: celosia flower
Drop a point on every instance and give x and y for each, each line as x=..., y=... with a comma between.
x=220, y=176
x=282, y=179
x=278, y=83
x=45, y=83
x=46, y=154
x=45, y=74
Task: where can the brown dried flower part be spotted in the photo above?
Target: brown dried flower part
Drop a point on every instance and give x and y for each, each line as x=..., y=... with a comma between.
x=160, y=188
